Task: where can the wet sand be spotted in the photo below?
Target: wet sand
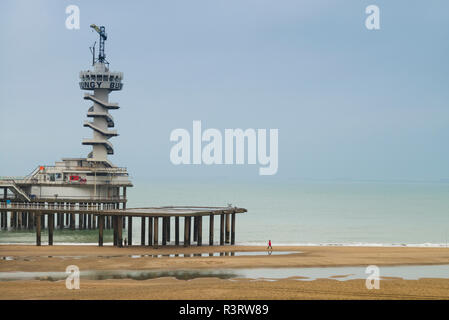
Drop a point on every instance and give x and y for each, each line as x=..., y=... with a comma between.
x=32, y=258
x=169, y=288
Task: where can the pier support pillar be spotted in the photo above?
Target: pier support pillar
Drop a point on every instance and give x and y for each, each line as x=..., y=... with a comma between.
x=222, y=229
x=195, y=228
x=94, y=217
x=142, y=231
x=211, y=230
x=156, y=232
x=19, y=220
x=164, y=231
x=12, y=218
x=130, y=231
x=80, y=222
x=89, y=218
x=233, y=229
x=58, y=216
x=100, y=230
x=150, y=231
x=72, y=217
x=177, y=231
x=168, y=230
x=199, y=231
x=51, y=226
x=114, y=231
x=32, y=221
x=38, y=229
x=61, y=216
x=228, y=227
x=187, y=231
x=120, y=231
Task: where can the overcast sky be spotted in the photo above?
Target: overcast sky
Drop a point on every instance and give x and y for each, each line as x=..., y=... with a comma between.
x=349, y=103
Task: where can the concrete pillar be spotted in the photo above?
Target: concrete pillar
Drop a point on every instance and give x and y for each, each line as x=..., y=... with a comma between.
x=100, y=230
x=32, y=221
x=156, y=232
x=72, y=216
x=115, y=230
x=12, y=219
x=57, y=216
x=130, y=230
x=186, y=231
x=150, y=231
x=120, y=231
x=80, y=218
x=95, y=217
x=211, y=230
x=38, y=229
x=89, y=216
x=168, y=230
x=228, y=227
x=51, y=226
x=25, y=219
x=164, y=231
x=43, y=221
x=177, y=231
x=222, y=228
x=84, y=216
x=142, y=231
x=61, y=216
x=200, y=231
x=195, y=228
x=233, y=229
x=19, y=220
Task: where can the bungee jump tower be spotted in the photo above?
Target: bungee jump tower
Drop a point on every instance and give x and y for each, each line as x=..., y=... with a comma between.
x=90, y=192
x=78, y=182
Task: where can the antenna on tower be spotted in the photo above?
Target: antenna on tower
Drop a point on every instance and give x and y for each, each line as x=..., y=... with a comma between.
x=103, y=36
x=92, y=50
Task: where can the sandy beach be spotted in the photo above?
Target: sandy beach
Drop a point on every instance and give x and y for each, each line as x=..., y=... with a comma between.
x=57, y=258
x=111, y=258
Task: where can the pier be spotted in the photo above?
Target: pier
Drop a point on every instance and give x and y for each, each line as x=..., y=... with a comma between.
x=90, y=193
x=96, y=215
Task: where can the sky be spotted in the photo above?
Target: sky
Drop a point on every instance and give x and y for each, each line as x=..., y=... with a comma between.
x=349, y=103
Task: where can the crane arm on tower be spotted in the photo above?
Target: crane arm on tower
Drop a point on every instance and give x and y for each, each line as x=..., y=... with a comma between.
x=100, y=32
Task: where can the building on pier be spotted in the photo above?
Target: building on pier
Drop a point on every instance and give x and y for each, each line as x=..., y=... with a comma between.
x=90, y=192
x=81, y=181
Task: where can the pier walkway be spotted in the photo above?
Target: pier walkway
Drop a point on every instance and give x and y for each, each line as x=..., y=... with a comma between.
x=150, y=215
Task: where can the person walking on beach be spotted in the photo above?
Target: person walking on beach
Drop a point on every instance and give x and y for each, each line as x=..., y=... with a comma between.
x=269, y=245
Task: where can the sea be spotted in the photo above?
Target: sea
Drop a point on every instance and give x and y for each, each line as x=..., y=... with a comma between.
x=304, y=213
